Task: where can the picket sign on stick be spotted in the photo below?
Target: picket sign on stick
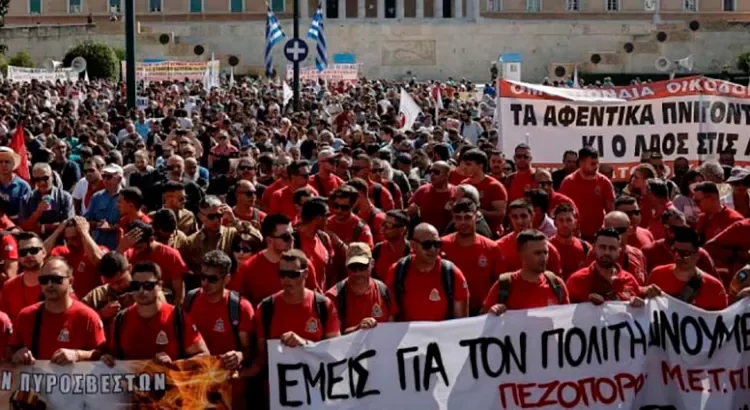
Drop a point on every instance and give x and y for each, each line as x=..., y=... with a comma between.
x=666, y=355
x=695, y=117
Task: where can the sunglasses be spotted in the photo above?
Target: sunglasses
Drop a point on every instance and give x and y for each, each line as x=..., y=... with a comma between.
x=358, y=267
x=354, y=169
x=245, y=168
x=427, y=245
x=53, y=279
x=209, y=278
x=107, y=176
x=40, y=179
x=435, y=172
x=89, y=170
x=544, y=183
x=147, y=285
x=683, y=253
x=523, y=156
x=341, y=207
x=243, y=249
x=284, y=237
x=620, y=230
x=246, y=193
x=213, y=217
x=634, y=212
x=29, y=251
x=291, y=273
x=304, y=175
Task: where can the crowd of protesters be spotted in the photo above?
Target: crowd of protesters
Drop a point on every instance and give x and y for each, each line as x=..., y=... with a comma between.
x=208, y=222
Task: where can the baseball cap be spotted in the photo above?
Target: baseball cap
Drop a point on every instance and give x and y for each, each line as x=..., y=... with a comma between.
x=326, y=154
x=113, y=169
x=358, y=252
x=738, y=174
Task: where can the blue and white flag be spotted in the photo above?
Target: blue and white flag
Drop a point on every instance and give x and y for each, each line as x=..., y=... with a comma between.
x=274, y=34
x=316, y=33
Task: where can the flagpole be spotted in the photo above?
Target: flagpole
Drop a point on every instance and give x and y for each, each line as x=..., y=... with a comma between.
x=295, y=85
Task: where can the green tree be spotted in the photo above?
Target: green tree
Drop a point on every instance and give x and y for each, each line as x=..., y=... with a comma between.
x=101, y=60
x=743, y=62
x=4, y=4
x=21, y=59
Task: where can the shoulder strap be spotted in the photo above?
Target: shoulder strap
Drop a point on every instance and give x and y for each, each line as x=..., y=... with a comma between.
x=358, y=230
x=321, y=309
x=36, y=332
x=385, y=295
x=446, y=271
x=319, y=184
x=503, y=288
x=626, y=261
x=234, y=316
x=509, y=180
x=402, y=268
x=189, y=299
x=691, y=288
x=119, y=319
x=179, y=330
x=256, y=216
x=341, y=303
x=391, y=188
x=377, y=196
x=297, y=239
x=325, y=239
x=586, y=247
x=376, y=251
x=266, y=307
x=371, y=216
x=554, y=283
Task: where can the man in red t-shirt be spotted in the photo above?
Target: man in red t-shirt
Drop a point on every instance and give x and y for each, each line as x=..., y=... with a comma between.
x=715, y=217
x=428, y=201
x=8, y=257
x=657, y=195
x=493, y=197
x=573, y=250
x=591, y=191
x=474, y=254
x=417, y=282
x=730, y=249
x=246, y=197
x=631, y=259
x=366, y=211
x=544, y=181
x=361, y=301
x=311, y=238
x=604, y=280
x=282, y=201
x=80, y=251
x=24, y=290
x=280, y=181
x=660, y=252
x=523, y=179
x=343, y=223
x=257, y=278
x=637, y=236
x=394, y=246
x=533, y=285
x=129, y=204
x=69, y=331
x=683, y=279
x=146, y=330
x=325, y=181
x=381, y=196
x=520, y=214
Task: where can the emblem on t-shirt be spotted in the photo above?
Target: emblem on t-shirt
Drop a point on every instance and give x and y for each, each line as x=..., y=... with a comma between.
x=482, y=261
x=434, y=295
x=376, y=311
x=219, y=326
x=312, y=326
x=597, y=191
x=8, y=248
x=81, y=266
x=64, y=335
x=161, y=338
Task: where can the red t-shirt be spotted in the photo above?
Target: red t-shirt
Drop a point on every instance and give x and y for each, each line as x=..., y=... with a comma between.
x=265, y=200
x=519, y=184
x=454, y=178
x=655, y=226
x=15, y=296
x=424, y=298
x=124, y=222
x=86, y=275
x=6, y=330
x=325, y=186
x=258, y=278
x=9, y=251
x=5, y=223
x=358, y=307
x=510, y=259
x=318, y=255
x=584, y=282
x=729, y=243
x=301, y=318
x=490, y=190
x=431, y=205
x=631, y=260
x=557, y=199
x=480, y=263
x=711, y=295
x=90, y=191
x=375, y=218
x=710, y=227
x=169, y=260
x=591, y=196
x=641, y=237
x=573, y=256
x=387, y=256
x=657, y=254
x=255, y=215
x=386, y=199
x=526, y=295
x=212, y=321
x=142, y=338
x=346, y=230
x=282, y=201
x=78, y=327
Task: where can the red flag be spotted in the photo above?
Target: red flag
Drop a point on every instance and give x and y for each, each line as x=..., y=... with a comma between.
x=18, y=144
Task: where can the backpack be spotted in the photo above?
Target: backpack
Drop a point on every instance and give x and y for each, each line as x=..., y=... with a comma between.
x=341, y=298
x=392, y=189
x=319, y=185
x=503, y=291
x=586, y=247
x=324, y=238
x=377, y=196
x=179, y=324
x=379, y=247
x=691, y=288
x=234, y=312
x=255, y=219
x=358, y=230
x=320, y=305
x=446, y=273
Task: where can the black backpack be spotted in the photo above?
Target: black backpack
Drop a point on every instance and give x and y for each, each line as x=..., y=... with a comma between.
x=358, y=230
x=446, y=273
x=324, y=238
x=691, y=289
x=385, y=295
x=179, y=324
x=377, y=196
x=379, y=248
x=234, y=312
x=319, y=186
x=320, y=304
x=503, y=290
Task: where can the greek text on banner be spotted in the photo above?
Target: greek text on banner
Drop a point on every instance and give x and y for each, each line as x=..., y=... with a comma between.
x=666, y=355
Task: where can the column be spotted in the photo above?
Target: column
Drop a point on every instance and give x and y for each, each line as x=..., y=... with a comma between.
x=381, y=9
x=400, y=9
x=342, y=9
x=361, y=9
x=304, y=9
x=459, y=11
x=325, y=9
x=438, y=9
x=420, y=9
x=475, y=9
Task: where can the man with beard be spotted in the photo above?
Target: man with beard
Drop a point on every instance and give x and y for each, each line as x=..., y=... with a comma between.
x=24, y=290
x=80, y=251
x=246, y=197
x=313, y=241
x=474, y=254
x=394, y=246
x=114, y=295
x=631, y=259
x=573, y=250
x=520, y=214
x=604, y=280
x=428, y=201
x=61, y=329
x=660, y=252
x=90, y=184
x=493, y=197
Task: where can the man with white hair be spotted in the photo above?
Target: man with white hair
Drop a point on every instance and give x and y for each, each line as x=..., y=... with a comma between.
x=12, y=187
x=46, y=207
x=325, y=181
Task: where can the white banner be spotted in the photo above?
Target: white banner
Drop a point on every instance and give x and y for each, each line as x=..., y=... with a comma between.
x=666, y=355
x=25, y=74
x=333, y=73
x=696, y=118
x=175, y=71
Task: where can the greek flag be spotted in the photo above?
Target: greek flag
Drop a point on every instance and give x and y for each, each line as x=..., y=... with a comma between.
x=316, y=33
x=274, y=34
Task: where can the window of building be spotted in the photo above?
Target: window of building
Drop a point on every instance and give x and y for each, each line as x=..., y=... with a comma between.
x=114, y=6
x=574, y=5
x=237, y=6
x=196, y=6
x=154, y=6
x=74, y=6
x=278, y=6
x=613, y=5
x=690, y=5
x=35, y=6
x=730, y=5
x=533, y=5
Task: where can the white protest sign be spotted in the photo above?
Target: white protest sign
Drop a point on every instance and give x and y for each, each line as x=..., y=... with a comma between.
x=696, y=118
x=333, y=73
x=666, y=355
x=26, y=75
